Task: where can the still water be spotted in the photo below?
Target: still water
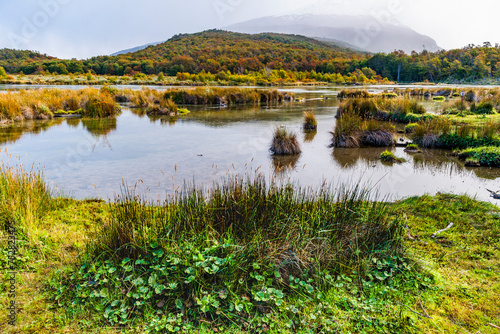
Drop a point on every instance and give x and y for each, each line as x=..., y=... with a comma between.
x=94, y=158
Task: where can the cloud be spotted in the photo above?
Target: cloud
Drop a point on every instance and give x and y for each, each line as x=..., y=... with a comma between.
x=81, y=29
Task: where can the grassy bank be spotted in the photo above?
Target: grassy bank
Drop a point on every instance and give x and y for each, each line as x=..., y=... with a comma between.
x=444, y=133
x=400, y=110
x=484, y=156
x=45, y=103
x=250, y=256
x=353, y=130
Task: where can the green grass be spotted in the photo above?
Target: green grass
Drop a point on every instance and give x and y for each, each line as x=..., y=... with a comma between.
x=390, y=157
x=486, y=156
x=412, y=148
x=248, y=256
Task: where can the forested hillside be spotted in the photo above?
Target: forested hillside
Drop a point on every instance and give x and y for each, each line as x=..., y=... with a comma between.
x=219, y=52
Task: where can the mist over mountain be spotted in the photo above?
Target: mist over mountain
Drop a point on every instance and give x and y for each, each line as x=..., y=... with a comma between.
x=134, y=49
x=361, y=31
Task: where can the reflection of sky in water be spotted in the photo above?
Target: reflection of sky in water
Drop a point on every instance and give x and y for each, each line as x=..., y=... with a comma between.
x=92, y=158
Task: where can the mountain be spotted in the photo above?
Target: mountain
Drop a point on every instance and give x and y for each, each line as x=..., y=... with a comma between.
x=363, y=32
x=137, y=48
x=217, y=50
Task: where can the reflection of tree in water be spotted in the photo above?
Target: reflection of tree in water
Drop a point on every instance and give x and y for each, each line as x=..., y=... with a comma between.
x=74, y=122
x=99, y=127
x=164, y=121
x=11, y=133
x=285, y=163
x=309, y=135
x=139, y=112
x=349, y=157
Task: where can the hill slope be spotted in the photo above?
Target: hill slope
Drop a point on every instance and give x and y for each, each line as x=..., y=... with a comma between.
x=349, y=29
x=10, y=59
x=216, y=50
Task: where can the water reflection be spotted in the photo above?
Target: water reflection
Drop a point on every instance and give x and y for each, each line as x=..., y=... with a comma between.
x=134, y=148
x=309, y=135
x=350, y=157
x=99, y=127
x=11, y=133
x=284, y=163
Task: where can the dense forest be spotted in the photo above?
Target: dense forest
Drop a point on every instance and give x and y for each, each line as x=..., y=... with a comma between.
x=224, y=53
x=210, y=51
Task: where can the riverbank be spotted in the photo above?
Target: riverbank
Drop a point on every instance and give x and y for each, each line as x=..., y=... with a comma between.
x=43, y=104
x=250, y=256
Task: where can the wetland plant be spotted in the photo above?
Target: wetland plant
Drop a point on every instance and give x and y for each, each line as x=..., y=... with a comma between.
x=310, y=122
x=412, y=148
x=388, y=156
x=284, y=142
x=353, y=131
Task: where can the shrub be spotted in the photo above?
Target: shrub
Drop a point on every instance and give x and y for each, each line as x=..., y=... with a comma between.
x=3, y=74
x=439, y=98
x=284, y=142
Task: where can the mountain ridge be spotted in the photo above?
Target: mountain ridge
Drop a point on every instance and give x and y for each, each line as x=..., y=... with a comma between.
x=362, y=32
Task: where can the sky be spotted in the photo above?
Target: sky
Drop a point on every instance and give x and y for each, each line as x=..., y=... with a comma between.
x=85, y=28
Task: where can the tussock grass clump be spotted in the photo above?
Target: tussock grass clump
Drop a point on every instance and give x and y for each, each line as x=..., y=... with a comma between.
x=153, y=102
x=398, y=109
x=310, y=122
x=413, y=148
x=353, y=131
x=390, y=157
x=229, y=254
x=441, y=133
x=24, y=198
x=483, y=108
x=43, y=103
x=285, y=142
x=229, y=96
x=486, y=156
x=427, y=132
x=354, y=93
x=98, y=104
